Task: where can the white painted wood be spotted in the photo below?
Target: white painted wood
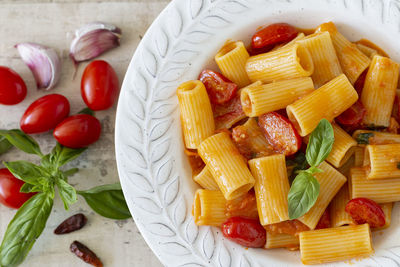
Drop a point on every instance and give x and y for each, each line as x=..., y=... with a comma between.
x=52, y=23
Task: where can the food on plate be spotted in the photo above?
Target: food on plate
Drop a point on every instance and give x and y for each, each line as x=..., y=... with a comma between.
x=306, y=149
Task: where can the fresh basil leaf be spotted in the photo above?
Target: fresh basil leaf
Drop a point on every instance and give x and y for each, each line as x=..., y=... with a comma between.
x=87, y=111
x=67, y=193
x=29, y=188
x=61, y=155
x=320, y=144
x=363, y=138
x=70, y=172
x=108, y=201
x=23, y=230
x=302, y=195
x=22, y=141
x=298, y=163
x=4, y=145
x=26, y=171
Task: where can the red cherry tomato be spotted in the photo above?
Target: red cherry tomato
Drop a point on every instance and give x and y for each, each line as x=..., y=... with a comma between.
x=45, y=113
x=219, y=88
x=359, y=84
x=12, y=87
x=273, y=34
x=78, y=131
x=353, y=115
x=9, y=190
x=325, y=220
x=99, y=85
x=280, y=132
x=364, y=210
x=244, y=231
x=226, y=115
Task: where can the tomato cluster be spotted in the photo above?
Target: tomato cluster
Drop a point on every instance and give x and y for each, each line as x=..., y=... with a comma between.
x=99, y=90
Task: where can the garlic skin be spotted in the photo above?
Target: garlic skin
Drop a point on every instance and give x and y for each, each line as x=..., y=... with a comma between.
x=43, y=62
x=93, y=39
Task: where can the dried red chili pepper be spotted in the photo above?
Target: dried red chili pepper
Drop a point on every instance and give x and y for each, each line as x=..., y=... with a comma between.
x=71, y=224
x=85, y=254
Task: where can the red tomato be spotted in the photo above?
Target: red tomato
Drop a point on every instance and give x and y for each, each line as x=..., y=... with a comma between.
x=78, y=131
x=359, y=84
x=9, y=190
x=273, y=34
x=280, y=132
x=45, y=113
x=325, y=220
x=226, y=115
x=244, y=231
x=364, y=210
x=12, y=87
x=219, y=88
x=99, y=85
x=353, y=115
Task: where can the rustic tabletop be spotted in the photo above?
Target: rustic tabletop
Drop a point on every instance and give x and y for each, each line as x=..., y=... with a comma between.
x=52, y=23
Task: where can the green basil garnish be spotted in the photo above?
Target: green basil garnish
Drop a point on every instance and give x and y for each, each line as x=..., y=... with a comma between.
x=363, y=138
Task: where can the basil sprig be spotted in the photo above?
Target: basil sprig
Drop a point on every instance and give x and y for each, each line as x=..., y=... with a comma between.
x=304, y=190
x=108, y=201
x=31, y=218
x=4, y=145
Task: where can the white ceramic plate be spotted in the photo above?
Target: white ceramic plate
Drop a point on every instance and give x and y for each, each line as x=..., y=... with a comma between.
x=153, y=169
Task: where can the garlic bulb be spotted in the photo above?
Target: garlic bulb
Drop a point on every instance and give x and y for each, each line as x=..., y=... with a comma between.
x=44, y=63
x=93, y=39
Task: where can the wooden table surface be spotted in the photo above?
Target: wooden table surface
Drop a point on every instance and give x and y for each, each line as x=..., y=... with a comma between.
x=52, y=23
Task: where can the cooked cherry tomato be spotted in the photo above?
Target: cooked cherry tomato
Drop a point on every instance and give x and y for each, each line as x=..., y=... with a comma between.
x=280, y=132
x=10, y=195
x=324, y=221
x=219, y=88
x=359, y=84
x=244, y=231
x=78, y=131
x=226, y=115
x=364, y=210
x=12, y=87
x=99, y=85
x=45, y=113
x=273, y=34
x=353, y=115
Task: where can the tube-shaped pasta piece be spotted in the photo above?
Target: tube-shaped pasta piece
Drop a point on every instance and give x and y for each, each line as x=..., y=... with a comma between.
x=323, y=54
x=205, y=179
x=327, y=102
x=335, y=244
x=380, y=191
x=359, y=156
x=339, y=216
x=330, y=181
x=365, y=137
x=292, y=42
x=293, y=61
x=209, y=207
x=281, y=241
x=227, y=165
x=368, y=51
x=383, y=161
x=379, y=91
x=196, y=125
x=257, y=100
x=352, y=60
x=343, y=147
x=231, y=60
x=387, y=209
x=271, y=188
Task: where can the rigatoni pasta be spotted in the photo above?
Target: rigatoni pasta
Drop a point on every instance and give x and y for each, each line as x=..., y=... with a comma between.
x=231, y=60
x=271, y=188
x=339, y=216
x=327, y=102
x=379, y=91
x=281, y=241
x=227, y=165
x=343, y=147
x=323, y=54
x=368, y=51
x=382, y=161
x=257, y=100
x=293, y=61
x=209, y=207
x=352, y=60
x=335, y=244
x=205, y=179
x=365, y=137
x=196, y=126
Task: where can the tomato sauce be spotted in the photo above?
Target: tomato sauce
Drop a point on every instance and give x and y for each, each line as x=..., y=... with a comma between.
x=291, y=227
